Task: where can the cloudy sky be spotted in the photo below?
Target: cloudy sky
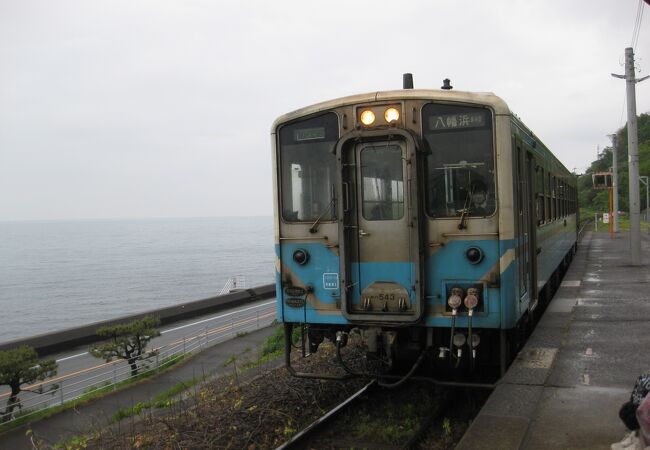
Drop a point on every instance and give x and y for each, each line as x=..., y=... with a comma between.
x=130, y=109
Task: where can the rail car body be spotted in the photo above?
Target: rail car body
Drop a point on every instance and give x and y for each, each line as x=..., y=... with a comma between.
x=423, y=219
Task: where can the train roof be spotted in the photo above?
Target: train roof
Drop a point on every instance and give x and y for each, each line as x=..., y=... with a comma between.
x=480, y=98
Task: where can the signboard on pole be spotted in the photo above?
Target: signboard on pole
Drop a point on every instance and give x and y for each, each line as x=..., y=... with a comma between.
x=606, y=218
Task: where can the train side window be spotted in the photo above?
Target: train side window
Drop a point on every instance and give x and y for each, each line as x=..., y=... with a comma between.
x=541, y=213
x=307, y=169
x=549, y=200
x=564, y=198
x=540, y=208
x=558, y=209
x=554, y=197
x=573, y=200
x=560, y=195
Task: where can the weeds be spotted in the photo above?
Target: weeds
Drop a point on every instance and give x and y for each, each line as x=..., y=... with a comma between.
x=446, y=427
x=162, y=400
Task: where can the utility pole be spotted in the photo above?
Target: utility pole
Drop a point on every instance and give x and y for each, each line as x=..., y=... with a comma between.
x=615, y=179
x=633, y=156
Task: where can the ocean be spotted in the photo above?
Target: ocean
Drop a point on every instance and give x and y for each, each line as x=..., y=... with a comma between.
x=59, y=274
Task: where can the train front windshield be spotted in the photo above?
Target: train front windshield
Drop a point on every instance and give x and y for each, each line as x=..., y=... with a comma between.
x=460, y=168
x=307, y=169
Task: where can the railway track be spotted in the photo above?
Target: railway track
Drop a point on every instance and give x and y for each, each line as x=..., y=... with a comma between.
x=379, y=418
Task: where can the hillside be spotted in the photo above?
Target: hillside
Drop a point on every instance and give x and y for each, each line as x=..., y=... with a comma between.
x=592, y=201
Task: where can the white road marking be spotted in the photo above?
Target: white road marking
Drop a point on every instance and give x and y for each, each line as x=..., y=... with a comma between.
x=70, y=357
x=218, y=317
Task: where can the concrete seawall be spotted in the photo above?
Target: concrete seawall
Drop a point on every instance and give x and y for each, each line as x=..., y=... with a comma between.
x=46, y=344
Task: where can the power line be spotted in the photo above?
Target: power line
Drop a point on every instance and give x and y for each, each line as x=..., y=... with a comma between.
x=636, y=21
x=635, y=40
x=637, y=24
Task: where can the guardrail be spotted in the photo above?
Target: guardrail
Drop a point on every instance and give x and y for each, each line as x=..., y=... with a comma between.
x=67, y=388
x=49, y=343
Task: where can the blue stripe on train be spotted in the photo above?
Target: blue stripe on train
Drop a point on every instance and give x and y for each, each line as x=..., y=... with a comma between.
x=444, y=265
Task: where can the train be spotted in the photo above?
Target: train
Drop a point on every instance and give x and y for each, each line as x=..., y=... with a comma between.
x=430, y=223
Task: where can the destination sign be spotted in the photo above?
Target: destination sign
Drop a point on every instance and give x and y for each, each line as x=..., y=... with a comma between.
x=309, y=134
x=457, y=121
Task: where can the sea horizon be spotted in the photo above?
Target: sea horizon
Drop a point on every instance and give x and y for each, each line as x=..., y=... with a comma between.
x=58, y=274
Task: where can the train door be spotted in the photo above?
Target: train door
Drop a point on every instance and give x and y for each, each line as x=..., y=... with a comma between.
x=525, y=227
x=379, y=245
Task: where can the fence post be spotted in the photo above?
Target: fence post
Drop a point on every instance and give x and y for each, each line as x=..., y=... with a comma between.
x=183, y=345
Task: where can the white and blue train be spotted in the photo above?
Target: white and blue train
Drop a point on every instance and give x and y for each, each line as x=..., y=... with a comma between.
x=430, y=222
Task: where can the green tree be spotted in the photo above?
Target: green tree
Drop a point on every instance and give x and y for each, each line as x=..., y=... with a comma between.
x=591, y=200
x=19, y=366
x=127, y=341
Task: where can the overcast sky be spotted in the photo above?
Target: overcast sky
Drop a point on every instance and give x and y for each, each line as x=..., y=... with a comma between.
x=130, y=109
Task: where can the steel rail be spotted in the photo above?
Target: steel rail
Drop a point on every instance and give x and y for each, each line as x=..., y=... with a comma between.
x=300, y=437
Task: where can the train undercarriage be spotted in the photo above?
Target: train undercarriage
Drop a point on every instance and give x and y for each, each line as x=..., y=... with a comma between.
x=443, y=355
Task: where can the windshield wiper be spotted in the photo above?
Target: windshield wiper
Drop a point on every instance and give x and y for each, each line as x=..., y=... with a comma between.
x=465, y=210
x=314, y=226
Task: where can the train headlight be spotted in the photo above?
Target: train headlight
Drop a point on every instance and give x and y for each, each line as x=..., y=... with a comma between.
x=391, y=115
x=474, y=255
x=367, y=117
x=301, y=256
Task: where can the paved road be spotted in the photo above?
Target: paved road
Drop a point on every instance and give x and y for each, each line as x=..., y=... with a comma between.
x=79, y=372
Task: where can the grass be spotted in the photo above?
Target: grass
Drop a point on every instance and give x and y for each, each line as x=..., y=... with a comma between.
x=273, y=347
x=74, y=443
x=390, y=419
x=623, y=223
x=162, y=400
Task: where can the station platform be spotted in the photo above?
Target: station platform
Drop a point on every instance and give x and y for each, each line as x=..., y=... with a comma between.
x=566, y=386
